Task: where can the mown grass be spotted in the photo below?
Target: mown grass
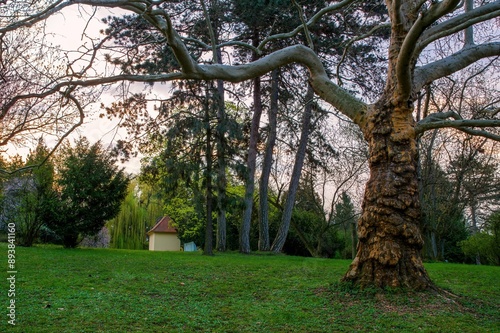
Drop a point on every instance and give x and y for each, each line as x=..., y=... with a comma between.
x=87, y=290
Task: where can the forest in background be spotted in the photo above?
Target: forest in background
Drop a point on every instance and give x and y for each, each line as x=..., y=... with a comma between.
x=459, y=188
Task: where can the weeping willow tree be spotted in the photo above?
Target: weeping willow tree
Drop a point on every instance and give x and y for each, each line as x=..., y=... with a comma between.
x=138, y=213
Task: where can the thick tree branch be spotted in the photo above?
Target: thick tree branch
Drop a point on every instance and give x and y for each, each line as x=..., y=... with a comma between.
x=440, y=120
x=161, y=20
x=468, y=55
x=350, y=106
x=408, y=50
x=482, y=133
x=395, y=10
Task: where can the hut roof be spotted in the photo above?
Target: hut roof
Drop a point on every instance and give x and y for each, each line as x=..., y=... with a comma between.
x=163, y=225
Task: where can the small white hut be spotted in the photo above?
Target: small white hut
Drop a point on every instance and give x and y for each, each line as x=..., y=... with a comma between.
x=164, y=237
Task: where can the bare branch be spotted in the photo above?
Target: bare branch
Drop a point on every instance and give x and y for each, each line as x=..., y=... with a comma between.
x=211, y=32
x=134, y=5
x=459, y=23
x=469, y=31
x=91, y=61
x=484, y=134
x=315, y=18
x=492, y=112
x=352, y=41
x=81, y=114
x=304, y=25
x=207, y=47
x=35, y=18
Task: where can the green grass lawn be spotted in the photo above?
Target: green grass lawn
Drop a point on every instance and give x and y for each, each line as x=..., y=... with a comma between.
x=87, y=290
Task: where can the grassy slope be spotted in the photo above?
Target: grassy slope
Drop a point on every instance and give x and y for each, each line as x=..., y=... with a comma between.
x=87, y=290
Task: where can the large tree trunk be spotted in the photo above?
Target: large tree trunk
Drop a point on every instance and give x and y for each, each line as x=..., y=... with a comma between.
x=264, y=242
x=389, y=236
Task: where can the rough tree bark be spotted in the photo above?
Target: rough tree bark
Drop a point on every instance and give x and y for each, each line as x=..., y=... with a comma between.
x=389, y=240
